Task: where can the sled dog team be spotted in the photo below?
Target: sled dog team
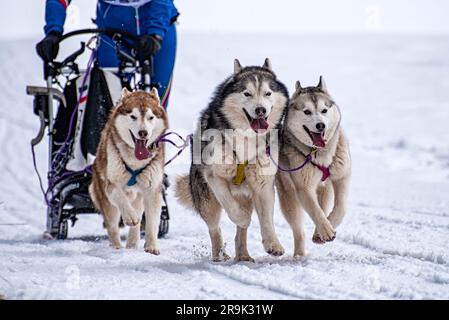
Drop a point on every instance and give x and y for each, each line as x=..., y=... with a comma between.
x=234, y=172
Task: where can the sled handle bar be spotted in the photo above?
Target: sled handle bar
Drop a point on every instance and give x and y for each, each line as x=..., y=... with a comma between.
x=111, y=32
x=147, y=64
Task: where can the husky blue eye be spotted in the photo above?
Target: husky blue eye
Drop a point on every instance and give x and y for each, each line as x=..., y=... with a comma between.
x=307, y=112
x=247, y=94
x=324, y=111
x=133, y=117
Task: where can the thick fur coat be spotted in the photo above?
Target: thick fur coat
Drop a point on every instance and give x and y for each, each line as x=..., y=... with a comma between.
x=251, y=100
x=313, y=118
x=128, y=144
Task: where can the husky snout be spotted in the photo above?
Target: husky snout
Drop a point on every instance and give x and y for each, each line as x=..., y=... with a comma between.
x=258, y=122
x=320, y=126
x=260, y=111
x=143, y=134
x=141, y=151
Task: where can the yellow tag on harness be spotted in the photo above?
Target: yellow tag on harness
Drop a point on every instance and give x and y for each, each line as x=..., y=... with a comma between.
x=240, y=175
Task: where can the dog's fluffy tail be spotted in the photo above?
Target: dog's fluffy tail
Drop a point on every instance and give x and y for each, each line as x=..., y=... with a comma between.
x=194, y=193
x=182, y=191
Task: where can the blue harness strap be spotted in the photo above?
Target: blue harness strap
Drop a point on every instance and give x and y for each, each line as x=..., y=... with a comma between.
x=134, y=174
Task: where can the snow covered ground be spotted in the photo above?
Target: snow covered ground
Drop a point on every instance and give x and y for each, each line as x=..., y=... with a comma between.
x=394, y=243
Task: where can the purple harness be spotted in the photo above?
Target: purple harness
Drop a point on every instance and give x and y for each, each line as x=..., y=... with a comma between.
x=162, y=138
x=185, y=144
x=325, y=170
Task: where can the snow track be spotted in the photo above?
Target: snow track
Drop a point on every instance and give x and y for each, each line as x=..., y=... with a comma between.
x=393, y=244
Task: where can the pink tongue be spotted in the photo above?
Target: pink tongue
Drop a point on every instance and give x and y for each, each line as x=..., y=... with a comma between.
x=259, y=124
x=140, y=150
x=318, y=140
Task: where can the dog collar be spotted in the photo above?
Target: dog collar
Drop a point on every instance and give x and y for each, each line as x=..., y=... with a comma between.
x=134, y=174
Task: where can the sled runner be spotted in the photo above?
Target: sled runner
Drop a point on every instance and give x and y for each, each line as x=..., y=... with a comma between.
x=82, y=100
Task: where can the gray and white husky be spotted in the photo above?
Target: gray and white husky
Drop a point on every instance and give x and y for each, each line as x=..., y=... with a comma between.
x=312, y=136
x=229, y=173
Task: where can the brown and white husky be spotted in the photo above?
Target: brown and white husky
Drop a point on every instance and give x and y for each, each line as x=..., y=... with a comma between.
x=128, y=169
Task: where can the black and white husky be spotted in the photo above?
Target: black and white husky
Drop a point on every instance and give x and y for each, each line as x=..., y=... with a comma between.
x=229, y=159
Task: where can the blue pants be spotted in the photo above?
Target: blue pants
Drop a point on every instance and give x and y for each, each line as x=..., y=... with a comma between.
x=163, y=61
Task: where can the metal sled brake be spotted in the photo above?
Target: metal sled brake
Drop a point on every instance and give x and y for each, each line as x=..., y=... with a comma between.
x=84, y=98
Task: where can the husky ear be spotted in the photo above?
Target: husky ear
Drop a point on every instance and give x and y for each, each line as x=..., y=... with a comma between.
x=237, y=66
x=298, y=86
x=125, y=92
x=322, y=85
x=267, y=64
x=155, y=94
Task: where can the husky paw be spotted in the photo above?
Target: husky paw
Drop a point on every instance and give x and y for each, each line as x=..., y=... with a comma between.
x=221, y=258
x=324, y=233
x=244, y=258
x=116, y=245
x=316, y=238
x=299, y=258
x=130, y=220
x=273, y=248
x=156, y=252
x=297, y=254
x=131, y=245
x=152, y=249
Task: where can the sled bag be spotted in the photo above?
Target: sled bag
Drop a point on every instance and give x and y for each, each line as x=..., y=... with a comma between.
x=90, y=107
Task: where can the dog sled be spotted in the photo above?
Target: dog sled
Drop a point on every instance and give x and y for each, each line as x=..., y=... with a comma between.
x=73, y=108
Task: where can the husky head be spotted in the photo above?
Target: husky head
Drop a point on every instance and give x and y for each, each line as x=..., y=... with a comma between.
x=139, y=120
x=312, y=116
x=254, y=98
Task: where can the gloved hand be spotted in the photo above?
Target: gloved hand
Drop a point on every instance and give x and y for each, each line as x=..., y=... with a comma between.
x=48, y=47
x=148, y=45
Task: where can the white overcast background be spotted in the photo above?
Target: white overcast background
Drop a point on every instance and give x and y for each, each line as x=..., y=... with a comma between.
x=25, y=18
x=388, y=73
